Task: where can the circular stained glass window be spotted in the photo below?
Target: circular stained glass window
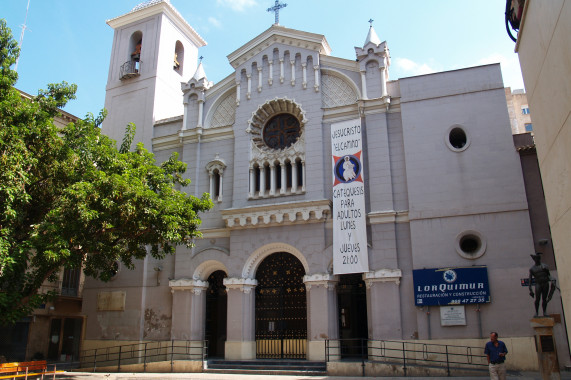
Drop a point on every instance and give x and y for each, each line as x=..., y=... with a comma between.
x=281, y=131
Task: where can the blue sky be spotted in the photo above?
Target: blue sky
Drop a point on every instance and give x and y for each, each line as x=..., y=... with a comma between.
x=69, y=39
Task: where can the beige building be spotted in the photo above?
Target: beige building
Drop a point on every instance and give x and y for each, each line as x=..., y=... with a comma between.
x=518, y=109
x=544, y=49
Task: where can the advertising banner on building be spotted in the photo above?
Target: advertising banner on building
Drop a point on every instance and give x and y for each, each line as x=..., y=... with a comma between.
x=451, y=286
x=350, y=253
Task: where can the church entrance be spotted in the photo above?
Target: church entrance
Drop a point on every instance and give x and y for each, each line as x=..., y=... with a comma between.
x=216, y=307
x=353, y=327
x=281, y=310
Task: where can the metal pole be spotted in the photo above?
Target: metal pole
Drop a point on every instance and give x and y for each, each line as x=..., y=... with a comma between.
x=119, y=360
x=404, y=358
x=447, y=362
x=145, y=358
x=363, y=356
x=172, y=353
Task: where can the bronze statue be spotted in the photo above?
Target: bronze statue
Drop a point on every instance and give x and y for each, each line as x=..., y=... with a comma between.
x=540, y=272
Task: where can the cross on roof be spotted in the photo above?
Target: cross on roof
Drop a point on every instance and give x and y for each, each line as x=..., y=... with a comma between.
x=371, y=21
x=200, y=58
x=276, y=9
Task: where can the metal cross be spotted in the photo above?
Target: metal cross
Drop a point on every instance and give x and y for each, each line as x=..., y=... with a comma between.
x=276, y=9
x=371, y=21
x=200, y=58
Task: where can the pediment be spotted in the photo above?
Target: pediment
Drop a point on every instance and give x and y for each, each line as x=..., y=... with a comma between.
x=278, y=34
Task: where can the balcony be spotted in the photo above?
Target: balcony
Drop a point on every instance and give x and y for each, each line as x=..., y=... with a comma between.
x=130, y=69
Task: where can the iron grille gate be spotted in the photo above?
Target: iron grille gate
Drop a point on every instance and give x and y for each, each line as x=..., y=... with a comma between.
x=281, y=311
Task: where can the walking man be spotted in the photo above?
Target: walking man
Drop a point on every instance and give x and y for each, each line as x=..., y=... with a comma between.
x=496, y=352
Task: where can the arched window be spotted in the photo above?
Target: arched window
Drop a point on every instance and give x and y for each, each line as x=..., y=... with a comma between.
x=215, y=169
x=178, y=62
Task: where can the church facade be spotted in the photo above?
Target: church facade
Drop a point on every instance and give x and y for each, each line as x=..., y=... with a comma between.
x=316, y=163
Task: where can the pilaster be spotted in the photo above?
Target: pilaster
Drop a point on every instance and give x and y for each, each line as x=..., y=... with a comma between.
x=241, y=338
x=188, y=309
x=322, y=318
x=383, y=303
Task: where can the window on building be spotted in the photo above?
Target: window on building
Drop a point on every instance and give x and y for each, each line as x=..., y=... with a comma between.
x=528, y=127
x=215, y=169
x=70, y=282
x=525, y=110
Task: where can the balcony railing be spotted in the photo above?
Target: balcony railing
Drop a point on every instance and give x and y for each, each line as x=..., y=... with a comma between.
x=130, y=69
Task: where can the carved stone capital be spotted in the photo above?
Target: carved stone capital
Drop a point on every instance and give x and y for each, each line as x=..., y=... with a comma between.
x=245, y=285
x=326, y=280
x=185, y=284
x=382, y=275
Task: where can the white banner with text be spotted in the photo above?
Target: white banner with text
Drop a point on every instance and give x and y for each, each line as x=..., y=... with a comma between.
x=350, y=253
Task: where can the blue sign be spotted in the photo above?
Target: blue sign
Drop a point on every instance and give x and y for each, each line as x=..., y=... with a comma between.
x=451, y=286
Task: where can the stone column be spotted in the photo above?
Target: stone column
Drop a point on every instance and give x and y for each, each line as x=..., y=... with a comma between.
x=383, y=81
x=241, y=333
x=546, y=350
x=294, y=177
x=200, y=108
x=259, y=79
x=316, y=71
x=220, y=172
x=284, y=178
x=211, y=177
x=237, y=93
x=262, y=181
x=383, y=304
x=364, y=84
x=273, y=179
x=322, y=321
x=249, y=92
x=271, y=75
x=188, y=309
x=292, y=72
x=281, y=70
x=303, y=176
x=252, y=182
x=304, y=77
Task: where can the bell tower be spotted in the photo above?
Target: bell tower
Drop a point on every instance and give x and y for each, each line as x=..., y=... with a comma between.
x=154, y=50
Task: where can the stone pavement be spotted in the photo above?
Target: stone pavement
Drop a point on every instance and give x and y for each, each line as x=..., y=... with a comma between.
x=222, y=376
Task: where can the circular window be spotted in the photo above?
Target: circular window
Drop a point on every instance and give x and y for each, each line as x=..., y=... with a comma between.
x=277, y=125
x=457, y=139
x=470, y=244
x=281, y=131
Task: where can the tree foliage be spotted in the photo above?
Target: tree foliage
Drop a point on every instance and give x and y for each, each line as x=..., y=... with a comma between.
x=69, y=198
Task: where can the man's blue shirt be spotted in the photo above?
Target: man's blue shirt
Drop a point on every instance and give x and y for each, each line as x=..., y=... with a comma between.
x=494, y=351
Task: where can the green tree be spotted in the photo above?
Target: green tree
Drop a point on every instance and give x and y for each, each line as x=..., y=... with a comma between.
x=69, y=198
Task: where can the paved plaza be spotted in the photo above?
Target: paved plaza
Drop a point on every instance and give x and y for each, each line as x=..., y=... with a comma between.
x=222, y=376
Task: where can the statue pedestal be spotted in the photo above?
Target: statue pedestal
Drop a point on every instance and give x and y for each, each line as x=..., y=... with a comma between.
x=545, y=346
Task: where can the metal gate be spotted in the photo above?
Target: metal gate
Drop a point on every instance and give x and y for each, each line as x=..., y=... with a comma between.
x=281, y=311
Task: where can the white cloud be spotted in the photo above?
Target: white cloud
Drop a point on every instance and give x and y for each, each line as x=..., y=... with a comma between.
x=409, y=67
x=214, y=22
x=237, y=5
x=511, y=71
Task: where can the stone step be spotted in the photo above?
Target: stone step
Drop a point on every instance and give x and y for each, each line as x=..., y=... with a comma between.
x=267, y=367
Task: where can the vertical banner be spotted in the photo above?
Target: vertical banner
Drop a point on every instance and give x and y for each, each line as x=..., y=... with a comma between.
x=350, y=253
